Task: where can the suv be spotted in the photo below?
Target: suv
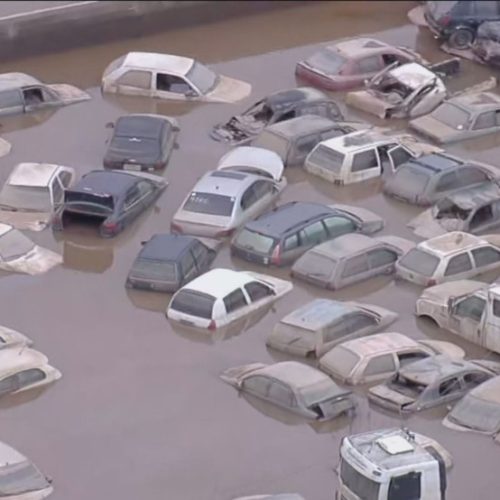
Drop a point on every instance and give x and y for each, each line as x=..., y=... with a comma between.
x=457, y=21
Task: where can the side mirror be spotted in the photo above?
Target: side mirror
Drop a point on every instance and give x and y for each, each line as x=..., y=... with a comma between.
x=110, y=125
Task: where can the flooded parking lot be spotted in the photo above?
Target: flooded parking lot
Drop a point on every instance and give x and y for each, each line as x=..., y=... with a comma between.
x=140, y=411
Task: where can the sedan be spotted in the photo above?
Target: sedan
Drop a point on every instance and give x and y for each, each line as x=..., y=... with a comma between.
x=298, y=388
x=141, y=142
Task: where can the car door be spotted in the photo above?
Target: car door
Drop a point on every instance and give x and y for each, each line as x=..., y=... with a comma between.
x=486, y=258
x=397, y=155
x=135, y=82
x=257, y=385
x=262, y=195
x=466, y=317
x=259, y=294
x=312, y=234
x=484, y=218
x=483, y=124
x=168, y=86
x=381, y=261
x=458, y=267
x=424, y=100
x=365, y=165
x=11, y=102
x=282, y=395
x=132, y=206
x=56, y=192
x=447, y=183
x=292, y=248
x=355, y=269
x=188, y=268
x=201, y=256
x=236, y=305
x=337, y=225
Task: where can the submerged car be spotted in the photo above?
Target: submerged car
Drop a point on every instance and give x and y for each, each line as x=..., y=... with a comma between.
x=294, y=386
x=10, y=338
x=348, y=63
x=247, y=182
x=31, y=194
x=349, y=259
x=113, y=199
x=293, y=139
x=277, y=107
x=462, y=117
x=18, y=254
x=431, y=382
x=473, y=210
x=486, y=46
x=282, y=235
x=221, y=296
x=22, y=93
x=321, y=324
x=168, y=261
x=141, y=142
x=168, y=76
x=363, y=155
x=452, y=256
x=425, y=180
x=376, y=357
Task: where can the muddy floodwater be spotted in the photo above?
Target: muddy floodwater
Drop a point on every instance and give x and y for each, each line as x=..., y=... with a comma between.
x=140, y=412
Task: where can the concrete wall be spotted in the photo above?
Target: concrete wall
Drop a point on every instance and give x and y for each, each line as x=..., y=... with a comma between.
x=90, y=22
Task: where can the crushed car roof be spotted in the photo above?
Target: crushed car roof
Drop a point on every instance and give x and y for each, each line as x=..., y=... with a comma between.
x=16, y=80
x=166, y=246
x=153, y=60
x=449, y=243
x=481, y=101
x=413, y=75
x=32, y=174
x=474, y=197
x=299, y=126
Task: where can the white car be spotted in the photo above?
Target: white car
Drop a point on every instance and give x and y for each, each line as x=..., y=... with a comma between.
x=32, y=192
x=377, y=357
x=20, y=255
x=9, y=338
x=222, y=296
x=246, y=183
x=449, y=257
x=168, y=76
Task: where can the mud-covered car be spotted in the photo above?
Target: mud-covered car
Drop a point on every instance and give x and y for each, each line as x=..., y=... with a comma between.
x=280, y=106
x=22, y=93
x=473, y=210
x=348, y=63
x=431, y=382
x=313, y=329
x=449, y=257
x=9, y=338
x=111, y=198
x=486, y=46
x=350, y=259
x=166, y=76
x=294, y=386
x=463, y=117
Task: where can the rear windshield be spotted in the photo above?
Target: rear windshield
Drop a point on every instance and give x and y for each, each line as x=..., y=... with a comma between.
x=315, y=266
x=327, y=61
x=210, y=204
x=477, y=414
x=268, y=140
x=28, y=198
x=342, y=360
x=100, y=203
x=202, y=77
x=256, y=242
x=155, y=269
x=411, y=179
x=193, y=303
x=451, y=115
x=420, y=262
x=327, y=158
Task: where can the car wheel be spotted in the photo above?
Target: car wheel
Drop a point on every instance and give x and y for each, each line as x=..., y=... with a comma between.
x=461, y=38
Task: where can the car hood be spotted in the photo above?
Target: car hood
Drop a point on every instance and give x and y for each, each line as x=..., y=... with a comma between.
x=440, y=294
x=426, y=226
x=387, y=397
x=235, y=376
x=368, y=221
x=37, y=261
x=229, y=90
x=33, y=221
x=369, y=103
x=292, y=342
x=4, y=147
x=68, y=93
x=434, y=129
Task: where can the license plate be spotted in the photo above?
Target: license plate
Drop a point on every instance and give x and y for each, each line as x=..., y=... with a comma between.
x=131, y=166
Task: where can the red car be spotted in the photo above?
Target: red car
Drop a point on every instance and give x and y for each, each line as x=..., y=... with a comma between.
x=348, y=63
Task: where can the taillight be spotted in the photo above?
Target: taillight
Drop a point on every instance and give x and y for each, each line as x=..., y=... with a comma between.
x=223, y=234
x=444, y=21
x=431, y=282
x=276, y=256
x=158, y=166
x=109, y=227
x=212, y=325
x=175, y=228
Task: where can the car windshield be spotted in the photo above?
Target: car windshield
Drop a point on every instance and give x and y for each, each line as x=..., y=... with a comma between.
x=193, y=303
x=327, y=158
x=410, y=179
x=203, y=78
x=276, y=143
x=362, y=486
x=154, y=269
x=26, y=198
x=327, y=61
x=342, y=360
x=477, y=414
x=451, y=115
x=420, y=262
x=257, y=242
x=114, y=65
x=315, y=266
x=99, y=203
x=23, y=477
x=210, y=204
x=14, y=244
x=132, y=145
x=406, y=386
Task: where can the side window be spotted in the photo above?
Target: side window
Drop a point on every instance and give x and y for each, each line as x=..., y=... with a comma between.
x=281, y=394
x=187, y=264
x=199, y=251
x=33, y=96
x=234, y=301
x=449, y=386
x=471, y=175
x=257, y=384
x=57, y=191
x=447, y=182
x=485, y=256
x=305, y=144
x=132, y=197
x=382, y=257
x=482, y=216
x=32, y=376
x=313, y=234
x=337, y=225
x=138, y=79
x=379, y=365
x=291, y=242
x=364, y=161
x=405, y=358
x=473, y=379
x=172, y=83
x=370, y=64
x=9, y=384
x=471, y=307
x=65, y=178
x=485, y=120
x=458, y=264
x=262, y=188
x=405, y=487
x=10, y=98
x=144, y=188
x=359, y=321
x=248, y=198
x=496, y=308
x=355, y=265
x=258, y=291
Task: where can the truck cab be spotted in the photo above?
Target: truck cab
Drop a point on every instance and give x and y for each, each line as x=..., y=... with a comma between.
x=392, y=464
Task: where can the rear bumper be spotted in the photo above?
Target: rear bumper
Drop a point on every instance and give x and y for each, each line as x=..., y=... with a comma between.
x=263, y=260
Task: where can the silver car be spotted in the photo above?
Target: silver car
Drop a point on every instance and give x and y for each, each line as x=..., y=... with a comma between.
x=247, y=181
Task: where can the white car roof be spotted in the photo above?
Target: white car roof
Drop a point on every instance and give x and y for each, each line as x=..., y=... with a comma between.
x=32, y=174
x=412, y=75
x=9, y=455
x=451, y=243
x=18, y=358
x=379, y=343
x=154, y=61
x=358, y=140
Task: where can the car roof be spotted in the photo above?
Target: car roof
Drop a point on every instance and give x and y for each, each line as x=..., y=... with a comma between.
x=16, y=80
x=289, y=97
x=434, y=163
x=19, y=358
x=250, y=156
x=318, y=313
x=32, y=174
x=451, y=243
x=354, y=47
x=359, y=139
x=345, y=245
x=156, y=61
x=379, y=343
x=166, y=247
x=140, y=125
x=114, y=183
x=285, y=217
x=219, y=282
x=9, y=455
x=412, y=74
x=475, y=196
x=225, y=182
x=487, y=391
x=477, y=101
x=299, y=126
x=5, y=228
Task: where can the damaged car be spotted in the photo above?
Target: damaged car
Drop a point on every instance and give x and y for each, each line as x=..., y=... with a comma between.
x=350, y=259
x=363, y=155
x=10, y=338
x=451, y=256
x=280, y=106
x=431, y=382
x=22, y=93
x=486, y=46
x=377, y=357
x=221, y=296
x=313, y=329
x=18, y=254
x=298, y=388
x=247, y=181
x=166, y=76
x=348, y=63
x=32, y=193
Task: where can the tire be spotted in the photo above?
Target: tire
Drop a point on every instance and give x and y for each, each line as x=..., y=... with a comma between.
x=461, y=38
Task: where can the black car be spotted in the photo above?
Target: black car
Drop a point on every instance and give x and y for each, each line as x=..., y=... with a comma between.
x=277, y=107
x=141, y=142
x=113, y=199
x=457, y=21
x=169, y=261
